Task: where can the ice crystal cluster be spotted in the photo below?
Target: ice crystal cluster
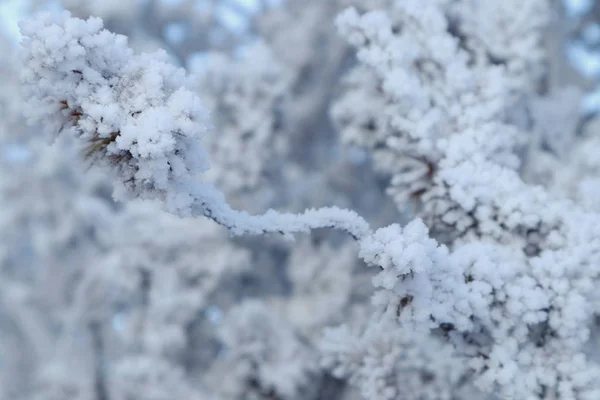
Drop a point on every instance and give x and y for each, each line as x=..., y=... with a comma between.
x=133, y=111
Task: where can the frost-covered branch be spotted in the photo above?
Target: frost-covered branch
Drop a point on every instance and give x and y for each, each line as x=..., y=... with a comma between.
x=138, y=115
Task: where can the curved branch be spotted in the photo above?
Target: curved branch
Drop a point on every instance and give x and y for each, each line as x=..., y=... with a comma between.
x=211, y=204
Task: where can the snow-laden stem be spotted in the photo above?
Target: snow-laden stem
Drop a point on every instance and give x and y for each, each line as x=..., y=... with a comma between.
x=212, y=204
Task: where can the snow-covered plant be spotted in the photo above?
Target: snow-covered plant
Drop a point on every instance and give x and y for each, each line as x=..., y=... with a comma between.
x=132, y=111
x=88, y=285
x=243, y=95
x=263, y=356
x=388, y=362
x=137, y=114
x=489, y=292
x=417, y=88
x=499, y=291
x=329, y=276
x=507, y=33
x=115, y=291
